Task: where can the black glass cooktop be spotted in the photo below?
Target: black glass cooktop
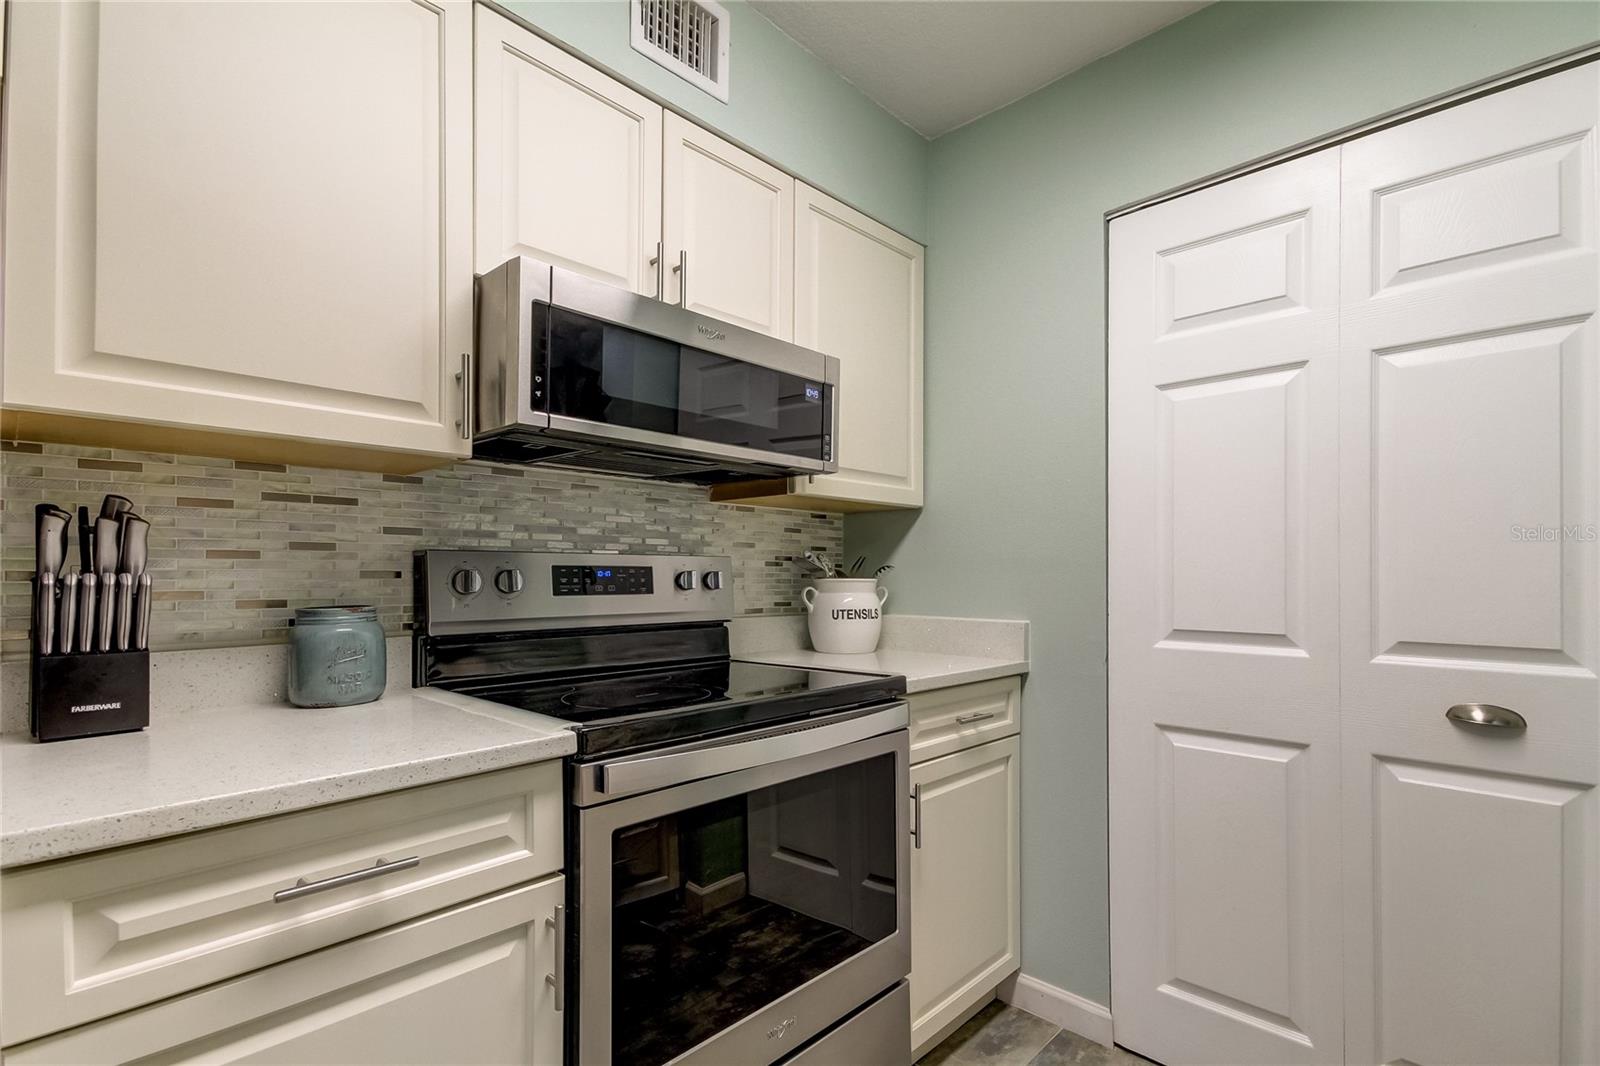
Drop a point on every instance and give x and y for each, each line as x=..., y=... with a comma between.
x=627, y=710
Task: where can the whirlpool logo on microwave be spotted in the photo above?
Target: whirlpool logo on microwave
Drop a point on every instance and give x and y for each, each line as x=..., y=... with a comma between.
x=851, y=614
x=708, y=333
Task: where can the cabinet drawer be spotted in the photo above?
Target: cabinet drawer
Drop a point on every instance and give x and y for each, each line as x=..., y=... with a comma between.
x=84, y=938
x=466, y=985
x=951, y=719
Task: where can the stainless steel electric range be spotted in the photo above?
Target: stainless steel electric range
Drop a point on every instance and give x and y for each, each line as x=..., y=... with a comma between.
x=736, y=834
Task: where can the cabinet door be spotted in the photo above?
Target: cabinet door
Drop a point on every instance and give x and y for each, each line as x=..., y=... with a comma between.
x=858, y=297
x=253, y=217
x=965, y=909
x=474, y=984
x=728, y=230
x=1470, y=537
x=568, y=162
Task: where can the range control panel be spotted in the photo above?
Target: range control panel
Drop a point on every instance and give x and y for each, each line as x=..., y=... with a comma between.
x=496, y=591
x=602, y=580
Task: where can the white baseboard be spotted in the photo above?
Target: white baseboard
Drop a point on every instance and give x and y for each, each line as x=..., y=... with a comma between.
x=1067, y=1009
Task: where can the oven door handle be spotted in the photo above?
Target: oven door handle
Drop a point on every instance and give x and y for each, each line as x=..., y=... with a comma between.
x=642, y=773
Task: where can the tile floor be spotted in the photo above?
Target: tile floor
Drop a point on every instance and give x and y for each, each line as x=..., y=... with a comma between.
x=1002, y=1035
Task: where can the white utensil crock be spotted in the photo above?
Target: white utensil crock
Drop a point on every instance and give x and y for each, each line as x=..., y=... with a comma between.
x=846, y=614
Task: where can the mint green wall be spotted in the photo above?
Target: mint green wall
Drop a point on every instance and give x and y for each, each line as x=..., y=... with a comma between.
x=783, y=104
x=1014, y=525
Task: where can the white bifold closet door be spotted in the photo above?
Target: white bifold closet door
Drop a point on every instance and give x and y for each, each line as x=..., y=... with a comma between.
x=1224, y=730
x=1470, y=569
x=1449, y=872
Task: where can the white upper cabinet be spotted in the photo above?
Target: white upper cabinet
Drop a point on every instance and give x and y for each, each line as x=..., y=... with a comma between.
x=858, y=297
x=568, y=162
x=249, y=217
x=728, y=231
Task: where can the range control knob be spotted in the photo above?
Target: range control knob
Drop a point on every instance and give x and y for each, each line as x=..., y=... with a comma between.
x=713, y=580
x=685, y=580
x=508, y=581
x=467, y=581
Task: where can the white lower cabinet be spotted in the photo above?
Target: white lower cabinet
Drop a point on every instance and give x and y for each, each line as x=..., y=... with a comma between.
x=473, y=984
x=413, y=926
x=965, y=903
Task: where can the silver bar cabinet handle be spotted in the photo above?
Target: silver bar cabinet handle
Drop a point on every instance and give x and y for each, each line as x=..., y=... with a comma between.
x=661, y=273
x=682, y=270
x=303, y=887
x=467, y=398
x=916, y=816
x=558, y=980
x=1487, y=716
x=975, y=716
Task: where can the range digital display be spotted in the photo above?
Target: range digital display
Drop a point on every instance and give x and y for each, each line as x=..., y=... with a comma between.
x=602, y=580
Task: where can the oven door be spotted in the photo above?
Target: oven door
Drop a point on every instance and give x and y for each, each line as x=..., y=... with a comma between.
x=731, y=918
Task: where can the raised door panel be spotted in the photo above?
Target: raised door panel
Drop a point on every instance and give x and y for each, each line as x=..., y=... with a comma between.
x=472, y=984
x=1450, y=923
x=568, y=162
x=728, y=231
x=1233, y=932
x=1231, y=472
x=965, y=906
x=1224, y=703
x=1470, y=501
x=858, y=298
x=294, y=260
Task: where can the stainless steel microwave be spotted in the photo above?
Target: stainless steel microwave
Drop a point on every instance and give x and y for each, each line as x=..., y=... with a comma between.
x=578, y=373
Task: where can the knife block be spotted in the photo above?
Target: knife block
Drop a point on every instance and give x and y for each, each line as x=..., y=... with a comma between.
x=87, y=695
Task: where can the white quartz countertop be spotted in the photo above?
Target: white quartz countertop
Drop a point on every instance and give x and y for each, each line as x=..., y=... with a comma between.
x=218, y=765
x=923, y=670
x=932, y=652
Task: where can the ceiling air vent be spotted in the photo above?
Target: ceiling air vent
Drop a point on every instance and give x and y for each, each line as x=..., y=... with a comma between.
x=688, y=37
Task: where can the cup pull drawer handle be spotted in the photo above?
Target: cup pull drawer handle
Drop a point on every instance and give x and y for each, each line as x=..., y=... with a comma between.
x=303, y=887
x=975, y=716
x=1486, y=716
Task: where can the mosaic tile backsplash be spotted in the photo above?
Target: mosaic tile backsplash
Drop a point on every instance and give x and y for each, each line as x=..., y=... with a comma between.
x=236, y=546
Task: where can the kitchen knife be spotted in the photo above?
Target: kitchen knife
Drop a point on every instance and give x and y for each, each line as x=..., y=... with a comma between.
x=141, y=625
x=86, y=617
x=69, y=612
x=108, y=608
x=107, y=548
x=124, y=610
x=45, y=605
x=135, y=537
x=50, y=544
x=113, y=505
x=85, y=542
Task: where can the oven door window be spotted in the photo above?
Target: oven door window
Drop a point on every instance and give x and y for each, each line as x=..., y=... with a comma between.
x=605, y=373
x=721, y=909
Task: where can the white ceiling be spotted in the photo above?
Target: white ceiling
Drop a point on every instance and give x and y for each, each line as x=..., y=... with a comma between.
x=939, y=64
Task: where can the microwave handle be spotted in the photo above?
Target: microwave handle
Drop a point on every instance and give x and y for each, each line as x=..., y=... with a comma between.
x=644, y=772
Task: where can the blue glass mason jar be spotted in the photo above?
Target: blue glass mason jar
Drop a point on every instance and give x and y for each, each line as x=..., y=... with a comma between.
x=337, y=656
